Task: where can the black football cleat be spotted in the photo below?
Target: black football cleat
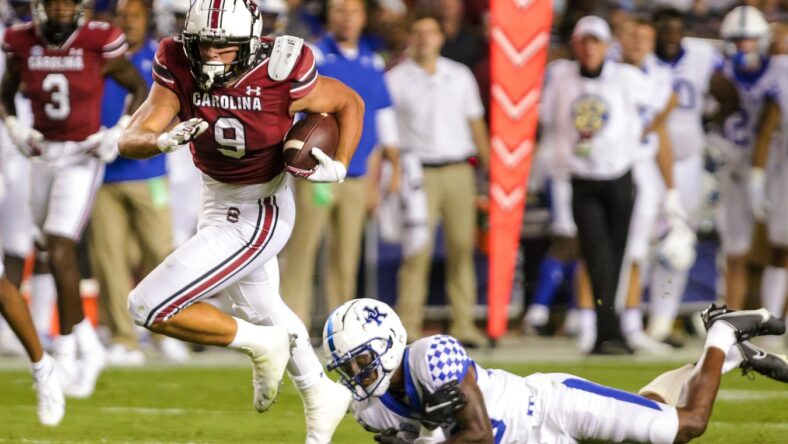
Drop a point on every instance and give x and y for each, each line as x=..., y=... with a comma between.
x=768, y=364
x=746, y=323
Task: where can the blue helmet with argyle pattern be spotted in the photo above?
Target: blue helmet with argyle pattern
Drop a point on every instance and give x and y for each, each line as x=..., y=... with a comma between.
x=364, y=341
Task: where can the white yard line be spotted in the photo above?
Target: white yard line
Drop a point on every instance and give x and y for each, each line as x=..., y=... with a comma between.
x=751, y=395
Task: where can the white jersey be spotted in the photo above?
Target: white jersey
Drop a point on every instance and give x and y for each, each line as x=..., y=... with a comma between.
x=542, y=408
x=594, y=122
x=692, y=72
x=660, y=84
x=430, y=363
x=754, y=89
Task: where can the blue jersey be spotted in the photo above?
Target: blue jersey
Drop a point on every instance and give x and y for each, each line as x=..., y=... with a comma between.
x=364, y=74
x=112, y=107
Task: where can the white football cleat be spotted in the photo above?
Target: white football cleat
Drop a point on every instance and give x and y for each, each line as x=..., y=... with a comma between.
x=119, y=355
x=65, y=355
x=89, y=367
x=51, y=406
x=174, y=350
x=268, y=367
x=325, y=404
x=642, y=342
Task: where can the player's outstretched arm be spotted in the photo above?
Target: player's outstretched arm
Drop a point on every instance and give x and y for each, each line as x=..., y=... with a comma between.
x=155, y=116
x=8, y=89
x=122, y=71
x=334, y=97
x=474, y=424
x=724, y=92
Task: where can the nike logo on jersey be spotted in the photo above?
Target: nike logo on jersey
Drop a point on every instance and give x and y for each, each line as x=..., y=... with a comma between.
x=208, y=100
x=432, y=408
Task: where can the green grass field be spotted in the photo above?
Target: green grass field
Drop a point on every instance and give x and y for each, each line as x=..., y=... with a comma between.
x=187, y=404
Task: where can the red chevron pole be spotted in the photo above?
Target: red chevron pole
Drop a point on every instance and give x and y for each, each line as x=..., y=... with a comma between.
x=520, y=33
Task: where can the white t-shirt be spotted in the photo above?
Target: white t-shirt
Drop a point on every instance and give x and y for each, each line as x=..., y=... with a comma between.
x=692, y=72
x=433, y=111
x=595, y=123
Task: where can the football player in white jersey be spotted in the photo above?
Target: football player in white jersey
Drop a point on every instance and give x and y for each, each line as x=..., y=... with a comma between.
x=768, y=177
x=654, y=178
x=695, y=66
x=431, y=391
x=756, y=76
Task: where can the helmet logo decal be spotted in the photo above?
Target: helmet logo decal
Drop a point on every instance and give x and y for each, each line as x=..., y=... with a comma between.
x=373, y=314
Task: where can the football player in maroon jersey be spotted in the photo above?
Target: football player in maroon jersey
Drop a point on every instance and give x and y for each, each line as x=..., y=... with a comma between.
x=51, y=405
x=235, y=94
x=59, y=61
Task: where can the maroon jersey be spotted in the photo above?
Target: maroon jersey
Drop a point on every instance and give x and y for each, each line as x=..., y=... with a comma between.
x=248, y=119
x=64, y=83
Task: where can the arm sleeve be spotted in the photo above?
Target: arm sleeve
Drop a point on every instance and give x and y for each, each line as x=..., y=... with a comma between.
x=473, y=102
x=115, y=43
x=386, y=123
x=161, y=73
x=304, y=76
x=547, y=102
x=443, y=359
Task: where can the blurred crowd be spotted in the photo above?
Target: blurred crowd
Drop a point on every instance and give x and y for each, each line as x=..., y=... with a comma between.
x=696, y=194
x=412, y=166
x=422, y=67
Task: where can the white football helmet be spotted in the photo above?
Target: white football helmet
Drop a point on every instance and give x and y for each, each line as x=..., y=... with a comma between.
x=364, y=341
x=54, y=31
x=222, y=22
x=744, y=22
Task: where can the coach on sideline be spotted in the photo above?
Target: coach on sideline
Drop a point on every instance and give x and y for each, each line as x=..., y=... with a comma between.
x=441, y=120
x=592, y=108
x=341, y=209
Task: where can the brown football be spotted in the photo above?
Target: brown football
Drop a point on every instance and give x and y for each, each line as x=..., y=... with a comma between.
x=313, y=131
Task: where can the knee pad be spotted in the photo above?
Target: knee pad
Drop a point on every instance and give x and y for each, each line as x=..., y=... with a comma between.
x=137, y=308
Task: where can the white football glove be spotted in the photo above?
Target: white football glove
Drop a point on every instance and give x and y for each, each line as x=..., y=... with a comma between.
x=327, y=169
x=104, y=144
x=181, y=135
x=756, y=191
x=675, y=248
x=27, y=139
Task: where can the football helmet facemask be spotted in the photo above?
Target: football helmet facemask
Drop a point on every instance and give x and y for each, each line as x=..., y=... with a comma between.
x=222, y=23
x=364, y=341
x=55, y=31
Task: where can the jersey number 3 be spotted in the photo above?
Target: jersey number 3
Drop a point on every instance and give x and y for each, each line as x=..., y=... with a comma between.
x=230, y=134
x=59, y=106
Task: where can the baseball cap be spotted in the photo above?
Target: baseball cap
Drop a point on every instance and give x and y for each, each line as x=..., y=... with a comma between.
x=593, y=26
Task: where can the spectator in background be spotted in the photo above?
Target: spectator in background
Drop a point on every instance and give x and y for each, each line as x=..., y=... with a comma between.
x=131, y=213
x=441, y=119
x=274, y=13
x=462, y=44
x=341, y=54
x=302, y=19
x=592, y=109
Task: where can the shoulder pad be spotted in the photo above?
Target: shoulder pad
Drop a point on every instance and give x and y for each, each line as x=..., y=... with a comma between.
x=284, y=56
